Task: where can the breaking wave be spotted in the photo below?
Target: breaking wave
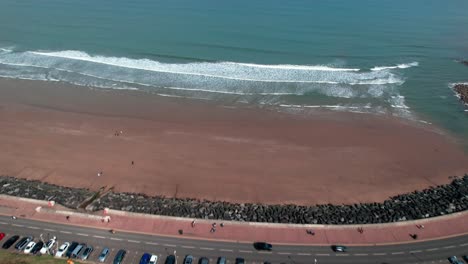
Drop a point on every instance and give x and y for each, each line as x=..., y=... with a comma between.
x=399, y=66
x=232, y=81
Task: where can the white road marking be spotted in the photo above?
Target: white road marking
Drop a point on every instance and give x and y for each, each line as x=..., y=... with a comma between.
x=226, y=250
x=3, y=223
x=318, y=254
x=342, y=255
x=379, y=254
x=33, y=227
x=169, y=245
x=304, y=254
x=205, y=248
x=188, y=247
x=118, y=239
x=133, y=241
x=415, y=251
x=65, y=232
x=449, y=247
x=361, y=254
x=264, y=252
x=432, y=249
x=398, y=253
x=17, y=225
x=51, y=230
x=245, y=251
x=284, y=253
x=463, y=245
x=152, y=243
x=98, y=236
x=81, y=234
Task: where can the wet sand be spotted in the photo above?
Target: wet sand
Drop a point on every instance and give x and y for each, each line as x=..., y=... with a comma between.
x=65, y=135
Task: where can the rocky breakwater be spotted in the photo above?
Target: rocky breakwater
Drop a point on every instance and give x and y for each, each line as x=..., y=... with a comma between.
x=69, y=197
x=461, y=89
x=434, y=201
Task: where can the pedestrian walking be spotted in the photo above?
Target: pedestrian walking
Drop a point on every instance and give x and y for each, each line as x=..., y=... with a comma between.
x=68, y=218
x=193, y=223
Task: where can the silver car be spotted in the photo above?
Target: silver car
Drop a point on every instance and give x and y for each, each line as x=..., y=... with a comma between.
x=103, y=255
x=86, y=252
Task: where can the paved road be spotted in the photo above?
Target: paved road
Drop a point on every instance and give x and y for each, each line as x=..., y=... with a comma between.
x=137, y=244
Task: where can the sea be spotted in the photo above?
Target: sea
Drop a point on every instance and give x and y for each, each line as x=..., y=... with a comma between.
x=395, y=57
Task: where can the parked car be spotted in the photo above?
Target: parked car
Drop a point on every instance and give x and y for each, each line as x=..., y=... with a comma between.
x=76, y=252
x=103, y=255
x=23, y=242
x=47, y=246
x=170, y=259
x=240, y=261
x=62, y=249
x=153, y=259
x=338, y=248
x=221, y=260
x=203, y=260
x=262, y=246
x=70, y=249
x=86, y=252
x=120, y=256
x=465, y=258
x=29, y=247
x=145, y=258
x=37, y=247
x=2, y=235
x=10, y=242
x=188, y=259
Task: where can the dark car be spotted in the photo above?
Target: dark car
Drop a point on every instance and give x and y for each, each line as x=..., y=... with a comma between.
x=23, y=242
x=170, y=259
x=70, y=249
x=120, y=256
x=37, y=247
x=188, y=259
x=465, y=257
x=221, y=260
x=203, y=260
x=10, y=242
x=145, y=258
x=262, y=246
x=240, y=261
x=338, y=248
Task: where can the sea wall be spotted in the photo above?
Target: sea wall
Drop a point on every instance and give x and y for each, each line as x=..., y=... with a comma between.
x=434, y=201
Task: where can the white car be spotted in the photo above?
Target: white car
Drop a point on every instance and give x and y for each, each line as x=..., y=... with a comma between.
x=153, y=259
x=47, y=246
x=62, y=249
x=29, y=247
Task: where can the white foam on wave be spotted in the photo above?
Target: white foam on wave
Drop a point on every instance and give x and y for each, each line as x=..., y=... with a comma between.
x=236, y=71
x=298, y=67
x=399, y=66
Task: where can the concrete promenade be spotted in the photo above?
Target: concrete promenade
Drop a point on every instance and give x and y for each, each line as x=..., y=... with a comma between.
x=378, y=234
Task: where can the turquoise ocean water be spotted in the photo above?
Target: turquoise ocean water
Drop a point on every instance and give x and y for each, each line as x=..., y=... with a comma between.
x=397, y=57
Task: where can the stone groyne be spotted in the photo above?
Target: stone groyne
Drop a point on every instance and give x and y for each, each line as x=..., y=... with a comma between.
x=431, y=202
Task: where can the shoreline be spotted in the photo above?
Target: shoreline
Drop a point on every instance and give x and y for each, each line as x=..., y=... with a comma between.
x=60, y=133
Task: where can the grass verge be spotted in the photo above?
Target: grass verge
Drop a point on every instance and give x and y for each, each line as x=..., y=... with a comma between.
x=18, y=258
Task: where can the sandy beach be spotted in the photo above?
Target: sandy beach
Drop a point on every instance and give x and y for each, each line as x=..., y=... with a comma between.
x=66, y=135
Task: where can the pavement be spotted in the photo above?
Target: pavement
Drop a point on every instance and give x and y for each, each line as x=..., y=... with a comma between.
x=136, y=244
x=285, y=234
